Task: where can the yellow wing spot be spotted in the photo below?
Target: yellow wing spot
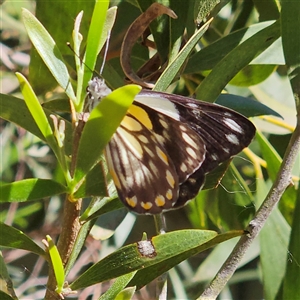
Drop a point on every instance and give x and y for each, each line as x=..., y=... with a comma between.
x=131, y=141
x=189, y=140
x=170, y=179
x=160, y=200
x=141, y=115
x=115, y=178
x=153, y=168
x=191, y=152
x=149, y=151
x=183, y=167
x=131, y=124
x=169, y=194
x=143, y=139
x=182, y=128
x=162, y=155
x=164, y=123
x=146, y=205
x=132, y=202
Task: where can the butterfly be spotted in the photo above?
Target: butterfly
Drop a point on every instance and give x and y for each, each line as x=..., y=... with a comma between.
x=166, y=144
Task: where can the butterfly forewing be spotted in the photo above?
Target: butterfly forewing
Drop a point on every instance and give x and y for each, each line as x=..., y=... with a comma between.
x=184, y=146
x=223, y=131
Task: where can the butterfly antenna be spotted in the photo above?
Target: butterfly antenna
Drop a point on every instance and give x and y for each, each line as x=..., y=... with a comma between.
x=105, y=52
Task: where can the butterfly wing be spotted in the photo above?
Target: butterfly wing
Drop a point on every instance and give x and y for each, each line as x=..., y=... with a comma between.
x=223, y=131
x=149, y=158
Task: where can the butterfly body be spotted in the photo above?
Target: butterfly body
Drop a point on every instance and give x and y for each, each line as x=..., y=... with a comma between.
x=164, y=146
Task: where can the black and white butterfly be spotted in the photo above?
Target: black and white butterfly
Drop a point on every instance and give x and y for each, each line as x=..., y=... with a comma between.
x=164, y=146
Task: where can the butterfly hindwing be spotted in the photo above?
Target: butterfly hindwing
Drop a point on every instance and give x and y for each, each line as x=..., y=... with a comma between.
x=142, y=170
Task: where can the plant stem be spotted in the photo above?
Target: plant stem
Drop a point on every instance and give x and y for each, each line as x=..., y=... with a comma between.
x=70, y=224
x=67, y=238
x=282, y=181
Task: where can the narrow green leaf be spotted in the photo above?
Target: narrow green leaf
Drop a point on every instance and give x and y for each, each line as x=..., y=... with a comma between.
x=16, y=111
x=120, y=283
x=97, y=35
x=4, y=296
x=274, y=238
x=290, y=289
x=271, y=156
x=203, y=9
x=245, y=106
x=57, y=265
x=6, y=281
x=212, y=86
x=48, y=51
x=94, y=184
x=267, y=9
x=35, y=108
x=126, y=294
x=290, y=31
x=129, y=258
x=30, y=189
x=173, y=68
x=146, y=275
x=290, y=41
x=208, y=57
x=13, y=238
x=101, y=125
x=208, y=269
x=252, y=75
x=102, y=207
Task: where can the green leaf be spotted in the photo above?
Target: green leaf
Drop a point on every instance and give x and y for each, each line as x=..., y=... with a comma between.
x=116, y=288
x=48, y=51
x=291, y=44
x=289, y=26
x=6, y=281
x=290, y=289
x=203, y=8
x=16, y=111
x=252, y=75
x=147, y=274
x=236, y=60
x=126, y=294
x=246, y=106
x=13, y=238
x=101, y=125
x=95, y=41
x=30, y=189
x=129, y=258
x=56, y=264
x=267, y=9
x=208, y=57
x=36, y=110
x=271, y=156
x=47, y=13
x=94, y=184
x=173, y=68
x=273, y=238
x=101, y=207
x=5, y=296
x=211, y=265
